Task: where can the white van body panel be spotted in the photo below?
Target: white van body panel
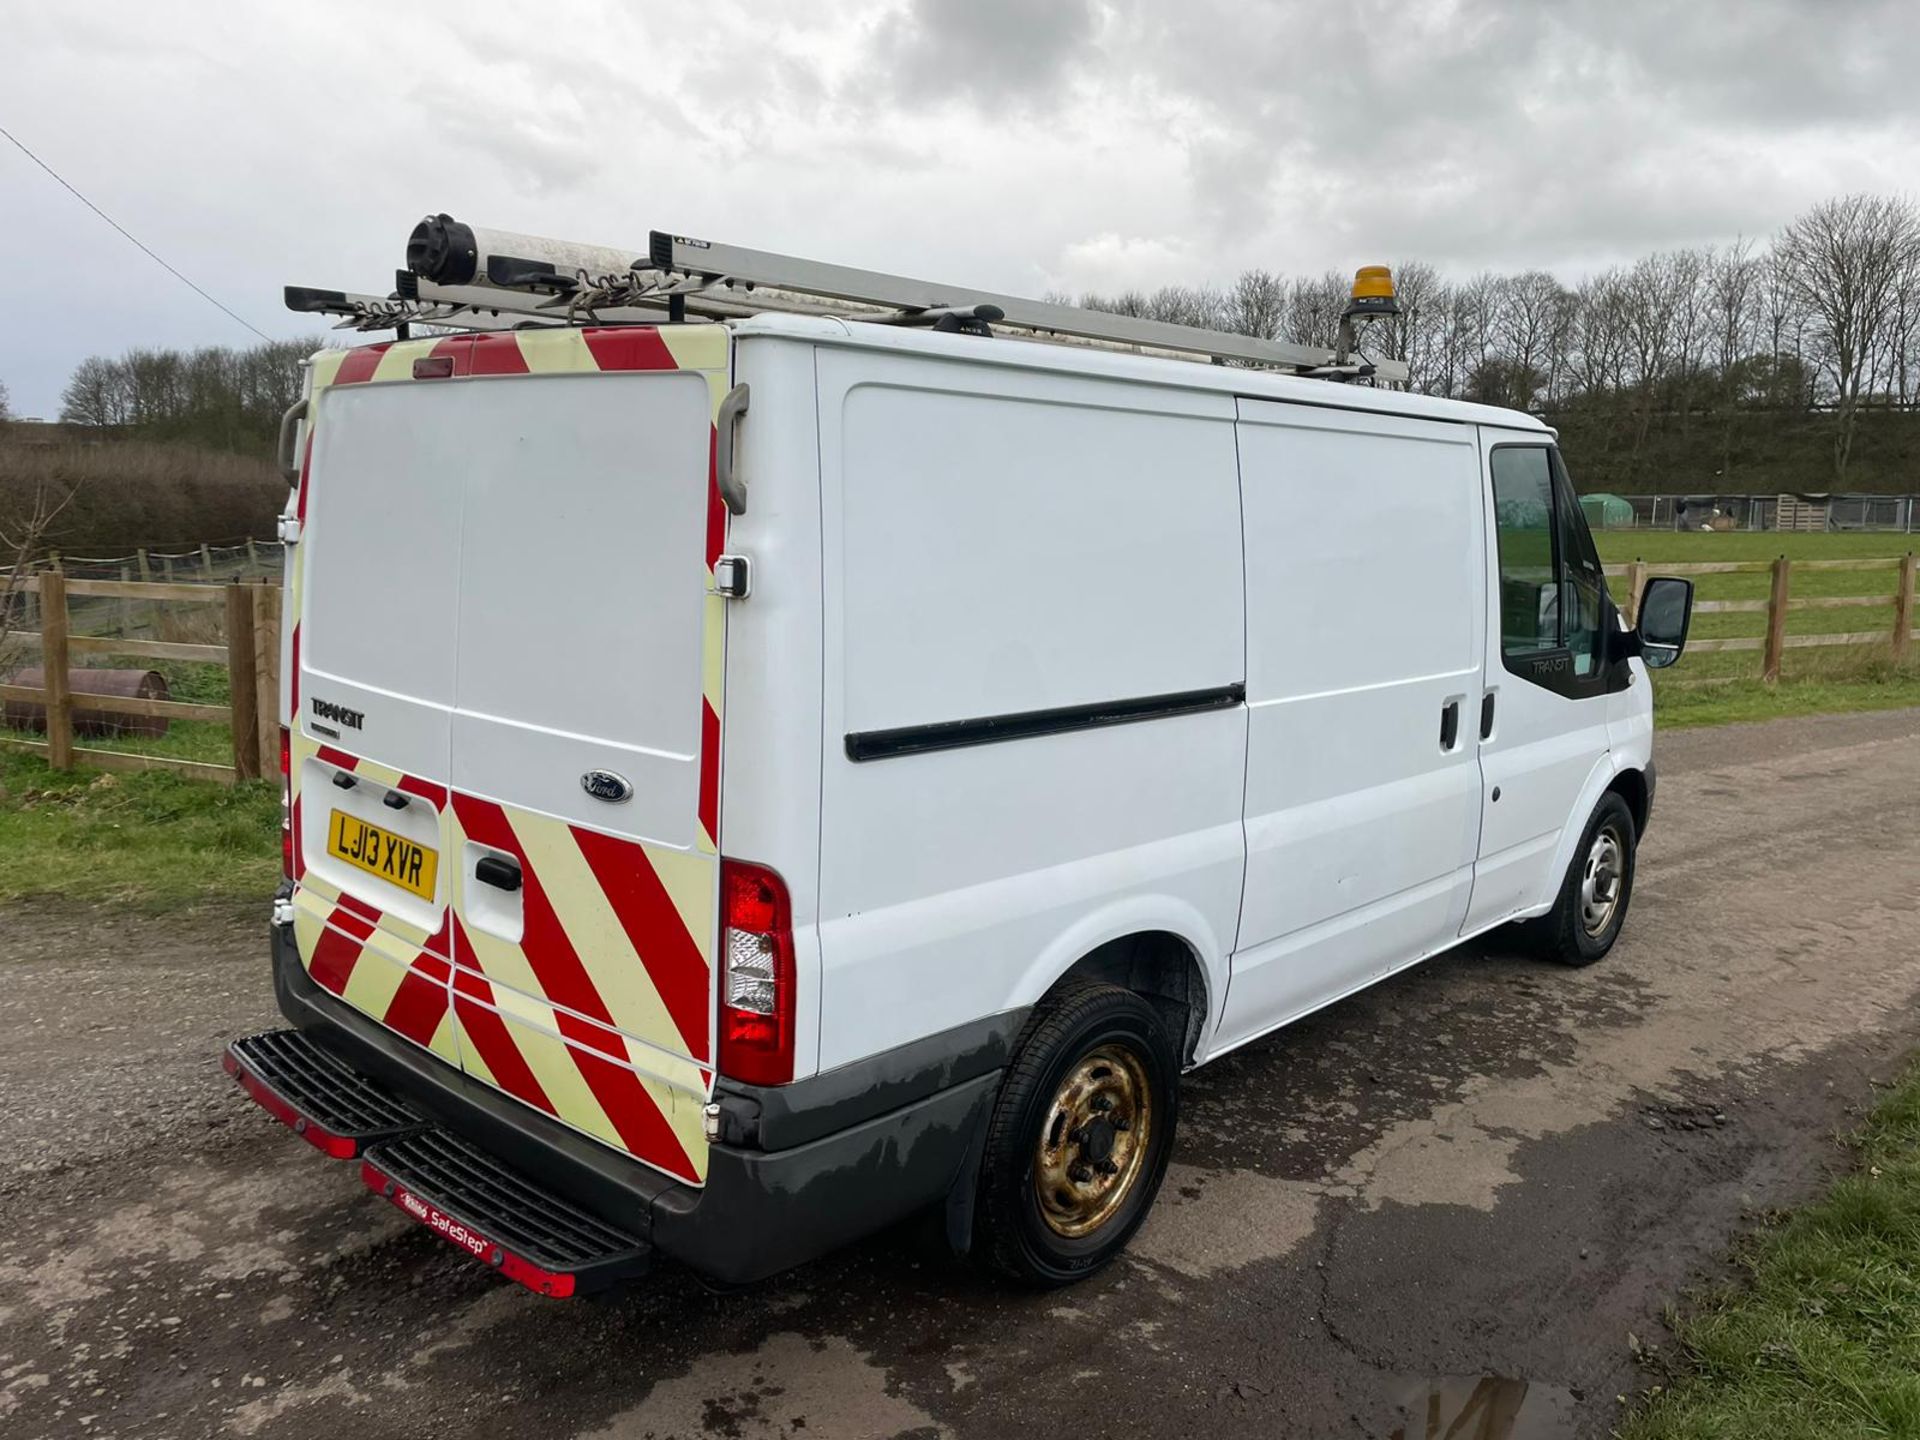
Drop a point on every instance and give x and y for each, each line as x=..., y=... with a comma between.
x=1365, y=568
x=998, y=542
x=771, y=746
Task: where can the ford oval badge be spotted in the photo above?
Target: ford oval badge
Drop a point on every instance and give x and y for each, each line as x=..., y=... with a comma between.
x=606, y=785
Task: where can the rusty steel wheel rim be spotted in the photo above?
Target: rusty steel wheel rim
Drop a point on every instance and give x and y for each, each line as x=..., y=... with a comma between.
x=1094, y=1141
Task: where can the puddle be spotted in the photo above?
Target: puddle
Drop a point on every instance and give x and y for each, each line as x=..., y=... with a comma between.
x=1484, y=1407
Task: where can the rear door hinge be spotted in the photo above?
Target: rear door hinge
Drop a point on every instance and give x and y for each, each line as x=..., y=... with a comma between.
x=733, y=576
x=289, y=530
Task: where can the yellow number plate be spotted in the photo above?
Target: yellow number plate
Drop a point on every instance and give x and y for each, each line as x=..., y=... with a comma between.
x=394, y=858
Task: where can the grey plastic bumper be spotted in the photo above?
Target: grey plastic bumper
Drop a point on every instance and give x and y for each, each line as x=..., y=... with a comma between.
x=760, y=1212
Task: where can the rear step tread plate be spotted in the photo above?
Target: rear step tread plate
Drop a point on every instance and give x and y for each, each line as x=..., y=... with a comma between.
x=496, y=1214
x=325, y=1102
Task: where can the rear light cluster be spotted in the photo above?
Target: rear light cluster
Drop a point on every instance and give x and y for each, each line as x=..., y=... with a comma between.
x=286, y=803
x=756, y=1001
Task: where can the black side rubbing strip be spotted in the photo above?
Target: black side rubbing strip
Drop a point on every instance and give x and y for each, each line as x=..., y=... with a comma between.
x=1027, y=724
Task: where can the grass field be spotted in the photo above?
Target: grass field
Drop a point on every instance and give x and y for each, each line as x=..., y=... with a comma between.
x=1822, y=1341
x=148, y=839
x=1710, y=689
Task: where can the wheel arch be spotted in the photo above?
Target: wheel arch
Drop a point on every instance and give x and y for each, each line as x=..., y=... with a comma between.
x=1165, y=951
x=1606, y=770
x=1630, y=784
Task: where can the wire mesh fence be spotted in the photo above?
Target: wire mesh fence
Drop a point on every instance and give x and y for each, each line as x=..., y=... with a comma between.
x=1816, y=513
x=200, y=565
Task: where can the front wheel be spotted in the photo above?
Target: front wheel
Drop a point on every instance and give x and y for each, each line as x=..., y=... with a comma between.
x=1080, y=1136
x=1592, y=905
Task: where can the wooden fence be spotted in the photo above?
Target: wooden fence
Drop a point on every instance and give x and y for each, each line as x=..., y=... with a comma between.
x=1781, y=602
x=251, y=656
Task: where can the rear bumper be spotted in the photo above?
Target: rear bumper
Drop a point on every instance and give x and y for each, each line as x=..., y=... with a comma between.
x=761, y=1210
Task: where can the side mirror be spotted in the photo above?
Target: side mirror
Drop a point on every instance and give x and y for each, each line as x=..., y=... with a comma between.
x=1666, y=610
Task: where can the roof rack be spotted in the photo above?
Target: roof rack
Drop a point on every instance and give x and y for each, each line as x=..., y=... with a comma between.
x=464, y=276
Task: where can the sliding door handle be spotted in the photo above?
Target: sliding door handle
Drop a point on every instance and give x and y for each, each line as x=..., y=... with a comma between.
x=1486, y=716
x=1449, y=724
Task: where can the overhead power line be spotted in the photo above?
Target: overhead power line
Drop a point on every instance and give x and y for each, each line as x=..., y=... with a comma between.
x=145, y=249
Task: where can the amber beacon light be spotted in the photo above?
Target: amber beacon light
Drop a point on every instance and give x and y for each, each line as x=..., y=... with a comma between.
x=1373, y=292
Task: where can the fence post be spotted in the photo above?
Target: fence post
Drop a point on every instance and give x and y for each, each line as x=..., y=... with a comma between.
x=1903, y=608
x=1636, y=581
x=1776, y=620
x=253, y=557
x=140, y=559
x=206, y=562
x=53, y=662
x=265, y=600
x=242, y=686
x=126, y=605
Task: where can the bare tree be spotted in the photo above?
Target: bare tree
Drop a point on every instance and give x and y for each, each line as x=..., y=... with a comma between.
x=1848, y=262
x=1413, y=335
x=23, y=539
x=1314, y=304
x=1732, y=283
x=1525, y=320
x=95, y=395
x=1256, y=305
x=6, y=404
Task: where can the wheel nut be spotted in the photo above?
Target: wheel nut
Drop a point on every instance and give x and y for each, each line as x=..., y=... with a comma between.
x=1107, y=1167
x=1079, y=1174
x=1101, y=1104
x=1123, y=1125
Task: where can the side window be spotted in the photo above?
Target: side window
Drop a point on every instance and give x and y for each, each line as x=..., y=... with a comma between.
x=1583, y=584
x=1524, y=522
x=1552, y=589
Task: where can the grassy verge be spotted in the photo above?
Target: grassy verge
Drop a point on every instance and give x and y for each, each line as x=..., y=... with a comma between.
x=148, y=839
x=1822, y=1341
x=1714, y=689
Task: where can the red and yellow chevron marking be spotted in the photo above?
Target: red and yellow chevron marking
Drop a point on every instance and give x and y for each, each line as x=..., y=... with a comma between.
x=606, y=997
x=601, y=1015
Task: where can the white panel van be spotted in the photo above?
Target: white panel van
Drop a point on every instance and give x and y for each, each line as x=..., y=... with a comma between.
x=750, y=782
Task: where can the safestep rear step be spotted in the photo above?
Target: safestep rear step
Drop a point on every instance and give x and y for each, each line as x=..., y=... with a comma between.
x=498, y=1215
x=330, y=1106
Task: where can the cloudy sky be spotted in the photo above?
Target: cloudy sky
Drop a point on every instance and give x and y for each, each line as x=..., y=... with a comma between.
x=1023, y=146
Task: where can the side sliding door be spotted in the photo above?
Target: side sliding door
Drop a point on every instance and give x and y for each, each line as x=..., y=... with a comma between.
x=1365, y=573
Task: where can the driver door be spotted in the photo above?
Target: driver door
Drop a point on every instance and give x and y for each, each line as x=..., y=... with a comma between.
x=1543, y=714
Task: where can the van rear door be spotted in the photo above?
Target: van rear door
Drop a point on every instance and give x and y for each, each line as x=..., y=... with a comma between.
x=576, y=655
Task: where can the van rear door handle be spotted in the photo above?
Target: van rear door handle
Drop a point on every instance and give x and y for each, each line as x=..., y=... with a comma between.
x=1449, y=724
x=500, y=873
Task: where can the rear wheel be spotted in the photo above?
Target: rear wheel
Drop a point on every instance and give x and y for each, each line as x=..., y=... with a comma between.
x=1080, y=1136
x=1592, y=904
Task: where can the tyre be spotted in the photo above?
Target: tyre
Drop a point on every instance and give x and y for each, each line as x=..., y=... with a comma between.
x=1592, y=905
x=1080, y=1135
